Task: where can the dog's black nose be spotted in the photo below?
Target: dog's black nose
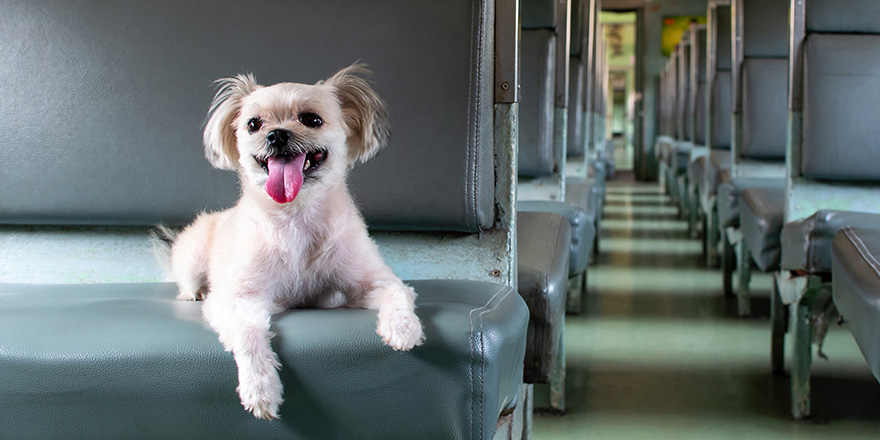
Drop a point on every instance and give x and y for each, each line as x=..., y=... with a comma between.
x=278, y=138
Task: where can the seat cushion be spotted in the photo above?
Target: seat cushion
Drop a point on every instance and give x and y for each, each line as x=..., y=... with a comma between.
x=583, y=230
x=543, y=241
x=806, y=244
x=116, y=361
x=760, y=220
x=729, y=192
x=855, y=257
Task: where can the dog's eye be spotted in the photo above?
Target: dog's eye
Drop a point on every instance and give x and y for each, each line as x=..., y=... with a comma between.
x=311, y=120
x=254, y=125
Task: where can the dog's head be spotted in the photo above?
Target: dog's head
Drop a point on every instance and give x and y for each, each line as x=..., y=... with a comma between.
x=290, y=137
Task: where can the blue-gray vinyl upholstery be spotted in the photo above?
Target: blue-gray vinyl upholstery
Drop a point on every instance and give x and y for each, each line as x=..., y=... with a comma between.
x=700, y=91
x=721, y=111
x=765, y=28
x=587, y=195
x=114, y=361
x=576, y=114
x=729, y=193
x=716, y=161
x=543, y=240
x=806, y=243
x=841, y=93
x=536, y=107
x=719, y=156
x=583, y=230
x=108, y=126
x=858, y=17
x=101, y=124
x=855, y=257
x=760, y=220
x=764, y=107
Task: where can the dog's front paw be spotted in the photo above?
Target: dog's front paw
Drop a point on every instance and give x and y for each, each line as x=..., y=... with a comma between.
x=400, y=329
x=261, y=396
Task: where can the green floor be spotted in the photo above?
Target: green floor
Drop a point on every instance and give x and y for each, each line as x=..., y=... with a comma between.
x=661, y=354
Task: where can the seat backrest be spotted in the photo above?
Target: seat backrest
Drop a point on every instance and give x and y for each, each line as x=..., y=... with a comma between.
x=536, y=157
x=544, y=110
x=759, y=73
x=577, y=77
x=698, y=83
x=718, y=105
x=120, y=94
x=835, y=88
x=684, y=87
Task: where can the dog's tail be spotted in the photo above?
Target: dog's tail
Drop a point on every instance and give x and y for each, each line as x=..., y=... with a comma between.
x=163, y=238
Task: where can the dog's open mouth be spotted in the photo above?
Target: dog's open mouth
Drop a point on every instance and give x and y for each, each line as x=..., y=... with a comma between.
x=287, y=172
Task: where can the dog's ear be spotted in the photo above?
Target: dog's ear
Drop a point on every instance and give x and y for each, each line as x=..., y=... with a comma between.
x=221, y=148
x=366, y=118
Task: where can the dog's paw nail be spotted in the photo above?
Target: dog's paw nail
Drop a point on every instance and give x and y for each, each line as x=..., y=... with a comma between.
x=401, y=331
x=262, y=398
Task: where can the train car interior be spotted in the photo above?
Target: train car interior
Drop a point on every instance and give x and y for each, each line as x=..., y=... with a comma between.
x=468, y=219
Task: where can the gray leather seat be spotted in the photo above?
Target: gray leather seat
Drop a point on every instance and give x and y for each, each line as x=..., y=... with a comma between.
x=760, y=220
x=697, y=170
x=806, y=244
x=543, y=252
x=729, y=194
x=718, y=160
x=583, y=230
x=125, y=360
x=536, y=108
x=855, y=258
x=589, y=196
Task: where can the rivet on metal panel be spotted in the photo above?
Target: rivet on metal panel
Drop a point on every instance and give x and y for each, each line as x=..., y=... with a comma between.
x=495, y=273
x=505, y=85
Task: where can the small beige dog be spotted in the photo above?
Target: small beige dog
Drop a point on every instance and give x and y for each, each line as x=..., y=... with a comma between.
x=295, y=238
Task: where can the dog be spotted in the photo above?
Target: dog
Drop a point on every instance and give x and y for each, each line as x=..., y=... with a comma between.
x=295, y=237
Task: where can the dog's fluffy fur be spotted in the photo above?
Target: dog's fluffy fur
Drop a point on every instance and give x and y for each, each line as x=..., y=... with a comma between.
x=261, y=256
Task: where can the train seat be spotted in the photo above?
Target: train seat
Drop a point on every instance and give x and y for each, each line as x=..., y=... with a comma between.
x=759, y=81
x=829, y=171
x=122, y=152
x=543, y=260
x=760, y=218
x=855, y=253
x=543, y=272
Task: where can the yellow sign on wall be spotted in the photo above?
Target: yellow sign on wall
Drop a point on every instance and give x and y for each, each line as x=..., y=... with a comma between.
x=673, y=28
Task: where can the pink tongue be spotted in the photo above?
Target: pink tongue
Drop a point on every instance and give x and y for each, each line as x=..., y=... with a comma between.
x=285, y=177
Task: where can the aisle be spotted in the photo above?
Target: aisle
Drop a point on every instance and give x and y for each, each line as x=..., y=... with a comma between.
x=660, y=354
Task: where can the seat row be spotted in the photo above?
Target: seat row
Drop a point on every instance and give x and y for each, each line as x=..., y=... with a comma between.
x=766, y=137
x=487, y=201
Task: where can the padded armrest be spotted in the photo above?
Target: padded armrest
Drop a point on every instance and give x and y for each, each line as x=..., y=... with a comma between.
x=583, y=231
x=543, y=241
x=806, y=244
x=760, y=220
x=112, y=361
x=855, y=256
